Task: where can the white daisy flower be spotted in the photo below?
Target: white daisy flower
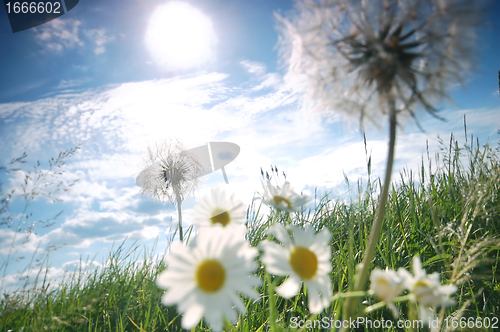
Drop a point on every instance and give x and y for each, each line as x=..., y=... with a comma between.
x=427, y=290
x=386, y=285
x=203, y=280
x=305, y=258
x=284, y=198
x=217, y=209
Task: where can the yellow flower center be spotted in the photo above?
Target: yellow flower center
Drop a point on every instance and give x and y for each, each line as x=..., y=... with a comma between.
x=383, y=281
x=210, y=275
x=278, y=200
x=220, y=217
x=304, y=262
x=422, y=289
x=421, y=284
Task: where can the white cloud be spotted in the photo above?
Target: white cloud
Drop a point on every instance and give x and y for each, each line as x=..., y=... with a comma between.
x=64, y=34
x=65, y=84
x=59, y=34
x=271, y=80
x=252, y=67
x=99, y=38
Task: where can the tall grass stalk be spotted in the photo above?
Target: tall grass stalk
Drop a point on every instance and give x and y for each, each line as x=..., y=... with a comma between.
x=42, y=182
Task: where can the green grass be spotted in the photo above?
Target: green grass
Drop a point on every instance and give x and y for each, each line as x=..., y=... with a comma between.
x=448, y=214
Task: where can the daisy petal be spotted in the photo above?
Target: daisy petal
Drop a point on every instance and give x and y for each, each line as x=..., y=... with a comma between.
x=289, y=288
x=192, y=316
x=281, y=234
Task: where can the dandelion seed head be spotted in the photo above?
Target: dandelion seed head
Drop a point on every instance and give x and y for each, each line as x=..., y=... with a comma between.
x=355, y=56
x=170, y=172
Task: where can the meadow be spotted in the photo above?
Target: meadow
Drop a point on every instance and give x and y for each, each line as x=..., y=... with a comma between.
x=448, y=214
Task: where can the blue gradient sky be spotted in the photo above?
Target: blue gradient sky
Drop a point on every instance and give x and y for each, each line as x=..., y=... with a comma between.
x=88, y=77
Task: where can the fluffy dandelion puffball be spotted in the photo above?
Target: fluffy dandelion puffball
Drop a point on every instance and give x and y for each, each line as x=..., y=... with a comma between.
x=357, y=56
x=284, y=198
x=204, y=279
x=427, y=290
x=170, y=172
x=218, y=209
x=386, y=285
x=305, y=258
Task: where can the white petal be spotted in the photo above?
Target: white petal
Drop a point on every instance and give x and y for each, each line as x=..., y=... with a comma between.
x=192, y=316
x=229, y=313
x=448, y=289
x=289, y=288
x=394, y=309
x=417, y=267
x=426, y=314
x=324, y=284
x=235, y=299
x=315, y=304
x=214, y=317
x=309, y=236
x=299, y=236
x=273, y=252
x=281, y=234
x=323, y=236
x=176, y=294
x=434, y=277
x=408, y=279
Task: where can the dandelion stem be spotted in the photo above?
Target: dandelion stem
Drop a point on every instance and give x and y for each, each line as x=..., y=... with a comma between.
x=351, y=304
x=179, y=215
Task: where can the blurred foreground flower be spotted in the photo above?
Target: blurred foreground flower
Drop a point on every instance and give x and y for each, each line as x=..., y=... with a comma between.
x=203, y=280
x=427, y=290
x=372, y=59
x=217, y=209
x=284, y=198
x=170, y=174
x=306, y=258
x=387, y=285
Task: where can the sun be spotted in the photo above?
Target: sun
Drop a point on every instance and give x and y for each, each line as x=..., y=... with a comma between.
x=180, y=36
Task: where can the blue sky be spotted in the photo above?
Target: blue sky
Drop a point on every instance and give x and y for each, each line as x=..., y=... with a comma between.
x=89, y=77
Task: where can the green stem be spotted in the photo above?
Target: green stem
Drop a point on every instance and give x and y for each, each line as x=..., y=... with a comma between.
x=228, y=326
x=382, y=304
x=272, y=304
x=179, y=215
x=348, y=295
x=412, y=315
x=350, y=304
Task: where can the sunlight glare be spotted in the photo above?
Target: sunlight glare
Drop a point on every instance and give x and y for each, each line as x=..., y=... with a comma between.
x=179, y=36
